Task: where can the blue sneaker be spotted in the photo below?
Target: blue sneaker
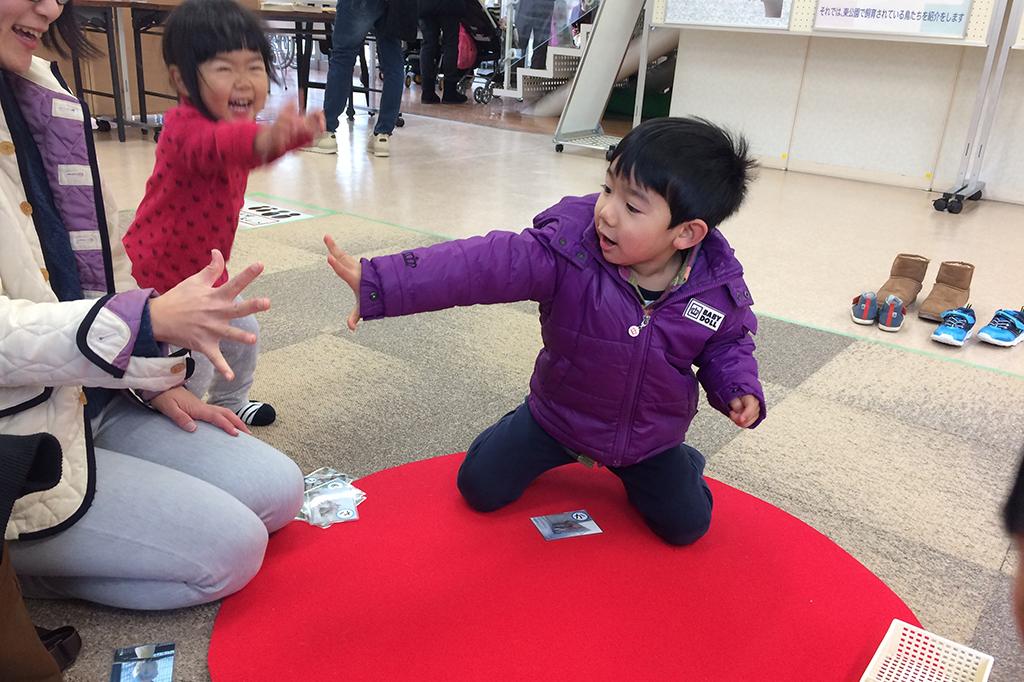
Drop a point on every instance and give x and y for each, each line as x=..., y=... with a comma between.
x=891, y=314
x=956, y=327
x=865, y=308
x=1006, y=328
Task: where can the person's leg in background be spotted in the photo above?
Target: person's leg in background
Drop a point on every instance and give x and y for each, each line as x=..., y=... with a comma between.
x=352, y=23
x=392, y=66
x=450, y=60
x=535, y=19
x=670, y=493
x=506, y=458
x=430, y=50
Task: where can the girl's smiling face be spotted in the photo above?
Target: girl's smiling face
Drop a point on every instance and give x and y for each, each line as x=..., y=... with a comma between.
x=233, y=85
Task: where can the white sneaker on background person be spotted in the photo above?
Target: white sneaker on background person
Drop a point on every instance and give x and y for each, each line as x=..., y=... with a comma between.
x=325, y=143
x=379, y=144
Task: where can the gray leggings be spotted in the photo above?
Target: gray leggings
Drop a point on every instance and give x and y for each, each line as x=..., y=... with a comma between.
x=208, y=382
x=178, y=518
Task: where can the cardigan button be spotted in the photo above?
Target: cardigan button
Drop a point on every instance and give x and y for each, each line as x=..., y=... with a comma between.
x=178, y=369
x=26, y=208
x=373, y=295
x=6, y=147
x=82, y=399
x=45, y=273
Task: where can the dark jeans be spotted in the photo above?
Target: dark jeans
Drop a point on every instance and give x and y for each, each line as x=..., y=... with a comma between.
x=440, y=38
x=353, y=22
x=535, y=18
x=668, y=489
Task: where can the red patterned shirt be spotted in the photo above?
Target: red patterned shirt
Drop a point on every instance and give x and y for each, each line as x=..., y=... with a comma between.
x=192, y=199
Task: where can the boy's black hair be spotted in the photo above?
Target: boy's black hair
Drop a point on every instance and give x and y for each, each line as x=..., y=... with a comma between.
x=197, y=30
x=65, y=35
x=700, y=169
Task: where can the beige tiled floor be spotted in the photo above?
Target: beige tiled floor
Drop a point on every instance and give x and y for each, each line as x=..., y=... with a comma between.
x=808, y=243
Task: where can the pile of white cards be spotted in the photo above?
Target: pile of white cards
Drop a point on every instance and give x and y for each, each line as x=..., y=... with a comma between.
x=330, y=498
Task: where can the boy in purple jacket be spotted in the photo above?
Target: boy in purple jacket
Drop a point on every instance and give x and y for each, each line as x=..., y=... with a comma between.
x=636, y=286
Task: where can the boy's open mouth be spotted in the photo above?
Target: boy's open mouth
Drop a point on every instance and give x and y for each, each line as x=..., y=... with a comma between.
x=604, y=241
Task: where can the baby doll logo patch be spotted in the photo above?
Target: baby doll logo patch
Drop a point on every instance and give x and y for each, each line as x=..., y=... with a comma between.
x=703, y=314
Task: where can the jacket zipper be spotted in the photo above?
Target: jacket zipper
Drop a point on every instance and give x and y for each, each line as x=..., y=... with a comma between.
x=648, y=315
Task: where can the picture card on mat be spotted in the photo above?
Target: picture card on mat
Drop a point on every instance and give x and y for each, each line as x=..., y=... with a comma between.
x=566, y=525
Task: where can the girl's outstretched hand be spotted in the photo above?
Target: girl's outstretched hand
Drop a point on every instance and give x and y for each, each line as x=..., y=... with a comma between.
x=350, y=270
x=197, y=315
x=292, y=128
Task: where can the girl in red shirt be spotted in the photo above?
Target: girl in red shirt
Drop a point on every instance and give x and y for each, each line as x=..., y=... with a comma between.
x=218, y=56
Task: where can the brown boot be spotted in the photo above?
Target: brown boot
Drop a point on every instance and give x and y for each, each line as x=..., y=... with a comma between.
x=952, y=290
x=22, y=654
x=905, y=278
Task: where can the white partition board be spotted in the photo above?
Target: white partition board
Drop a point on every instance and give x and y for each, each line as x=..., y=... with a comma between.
x=955, y=139
x=874, y=110
x=802, y=21
x=1003, y=168
x=1020, y=36
x=713, y=67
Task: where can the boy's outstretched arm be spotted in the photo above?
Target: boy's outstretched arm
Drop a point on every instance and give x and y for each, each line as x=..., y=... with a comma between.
x=728, y=371
x=350, y=270
x=499, y=267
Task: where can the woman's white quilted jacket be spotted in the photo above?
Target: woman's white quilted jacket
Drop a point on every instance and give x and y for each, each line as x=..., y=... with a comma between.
x=42, y=366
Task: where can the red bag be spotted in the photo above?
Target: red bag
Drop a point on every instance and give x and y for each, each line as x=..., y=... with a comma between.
x=467, y=49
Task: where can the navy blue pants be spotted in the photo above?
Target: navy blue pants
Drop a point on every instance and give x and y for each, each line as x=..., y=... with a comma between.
x=668, y=489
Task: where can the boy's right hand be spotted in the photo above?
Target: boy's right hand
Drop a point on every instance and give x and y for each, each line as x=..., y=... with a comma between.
x=350, y=270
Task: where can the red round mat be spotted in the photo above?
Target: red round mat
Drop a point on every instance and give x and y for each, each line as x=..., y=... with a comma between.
x=423, y=588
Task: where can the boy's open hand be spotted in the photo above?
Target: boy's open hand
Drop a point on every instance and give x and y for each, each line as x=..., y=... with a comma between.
x=292, y=128
x=744, y=411
x=350, y=270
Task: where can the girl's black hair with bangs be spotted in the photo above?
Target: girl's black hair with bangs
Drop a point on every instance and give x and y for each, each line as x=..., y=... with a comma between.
x=197, y=30
x=700, y=169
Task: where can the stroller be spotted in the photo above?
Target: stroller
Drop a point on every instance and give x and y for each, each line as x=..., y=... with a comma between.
x=482, y=26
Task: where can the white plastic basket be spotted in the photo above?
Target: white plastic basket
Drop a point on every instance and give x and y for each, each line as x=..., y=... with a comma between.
x=910, y=654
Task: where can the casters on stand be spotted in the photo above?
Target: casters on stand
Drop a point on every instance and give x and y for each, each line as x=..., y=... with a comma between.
x=608, y=154
x=103, y=125
x=559, y=147
x=400, y=122
x=953, y=202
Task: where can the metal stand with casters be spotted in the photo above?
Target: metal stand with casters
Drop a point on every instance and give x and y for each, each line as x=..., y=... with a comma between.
x=969, y=186
x=580, y=123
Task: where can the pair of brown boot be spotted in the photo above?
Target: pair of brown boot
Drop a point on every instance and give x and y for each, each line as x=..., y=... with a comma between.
x=906, y=278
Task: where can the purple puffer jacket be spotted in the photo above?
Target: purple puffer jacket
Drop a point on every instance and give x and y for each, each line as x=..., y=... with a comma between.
x=597, y=389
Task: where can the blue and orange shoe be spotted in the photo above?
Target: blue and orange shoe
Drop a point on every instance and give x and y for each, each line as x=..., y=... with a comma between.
x=891, y=314
x=957, y=326
x=1006, y=328
x=865, y=308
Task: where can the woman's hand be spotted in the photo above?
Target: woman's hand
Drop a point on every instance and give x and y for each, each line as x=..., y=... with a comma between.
x=183, y=408
x=349, y=269
x=197, y=316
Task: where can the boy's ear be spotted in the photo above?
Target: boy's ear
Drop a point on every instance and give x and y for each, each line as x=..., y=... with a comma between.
x=690, y=233
x=177, y=82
